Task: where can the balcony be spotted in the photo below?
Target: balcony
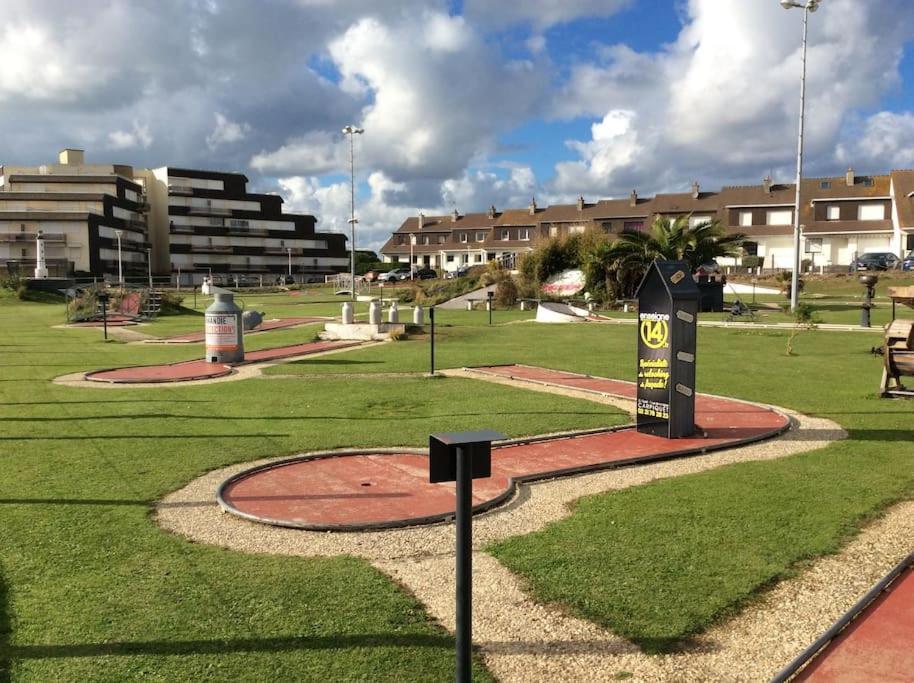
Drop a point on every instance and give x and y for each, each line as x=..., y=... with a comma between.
x=208, y=211
x=30, y=237
x=182, y=190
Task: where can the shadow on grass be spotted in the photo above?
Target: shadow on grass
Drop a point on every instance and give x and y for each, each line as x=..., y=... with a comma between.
x=5, y=627
x=73, y=501
x=335, y=361
x=215, y=647
x=296, y=418
x=121, y=437
x=899, y=436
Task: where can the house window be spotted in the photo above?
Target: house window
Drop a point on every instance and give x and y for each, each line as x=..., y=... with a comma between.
x=780, y=218
x=463, y=237
x=871, y=212
x=450, y=258
x=525, y=234
x=464, y=259
x=745, y=219
x=441, y=239
x=576, y=229
x=553, y=230
x=751, y=248
x=478, y=258
x=505, y=235
x=867, y=182
x=698, y=220
x=480, y=237
x=833, y=212
x=825, y=185
x=425, y=239
x=633, y=226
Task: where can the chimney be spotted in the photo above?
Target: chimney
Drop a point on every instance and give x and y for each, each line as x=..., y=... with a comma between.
x=581, y=203
x=766, y=184
x=696, y=189
x=491, y=213
x=71, y=157
x=421, y=220
x=849, y=177
x=455, y=215
x=633, y=199
x=532, y=206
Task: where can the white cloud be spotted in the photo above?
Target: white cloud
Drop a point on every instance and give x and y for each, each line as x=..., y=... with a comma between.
x=435, y=93
x=226, y=132
x=539, y=13
x=139, y=136
x=720, y=103
x=885, y=141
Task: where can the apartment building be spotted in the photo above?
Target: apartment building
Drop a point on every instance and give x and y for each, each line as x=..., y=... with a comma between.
x=172, y=221
x=208, y=223
x=80, y=209
x=841, y=217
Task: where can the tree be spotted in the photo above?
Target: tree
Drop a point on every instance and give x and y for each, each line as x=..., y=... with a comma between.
x=675, y=240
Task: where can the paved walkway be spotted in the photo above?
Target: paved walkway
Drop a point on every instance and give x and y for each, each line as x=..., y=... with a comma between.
x=265, y=326
x=200, y=369
x=370, y=490
x=460, y=302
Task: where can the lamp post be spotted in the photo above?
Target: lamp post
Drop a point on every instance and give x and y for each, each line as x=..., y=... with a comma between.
x=120, y=267
x=807, y=7
x=289, y=252
x=412, y=243
x=149, y=264
x=351, y=131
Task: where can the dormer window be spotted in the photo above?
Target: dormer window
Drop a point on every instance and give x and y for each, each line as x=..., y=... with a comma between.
x=505, y=235
x=867, y=182
x=825, y=185
x=463, y=237
x=480, y=236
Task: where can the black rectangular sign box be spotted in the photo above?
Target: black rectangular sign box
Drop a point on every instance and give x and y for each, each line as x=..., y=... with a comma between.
x=442, y=454
x=667, y=325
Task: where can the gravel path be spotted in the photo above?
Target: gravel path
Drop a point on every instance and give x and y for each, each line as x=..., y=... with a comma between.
x=525, y=641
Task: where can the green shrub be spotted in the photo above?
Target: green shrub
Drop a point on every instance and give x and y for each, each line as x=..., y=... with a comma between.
x=506, y=293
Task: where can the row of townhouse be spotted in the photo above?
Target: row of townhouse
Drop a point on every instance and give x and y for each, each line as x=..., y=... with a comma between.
x=97, y=219
x=840, y=217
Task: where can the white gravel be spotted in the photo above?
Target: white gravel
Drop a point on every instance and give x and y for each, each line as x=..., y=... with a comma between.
x=525, y=641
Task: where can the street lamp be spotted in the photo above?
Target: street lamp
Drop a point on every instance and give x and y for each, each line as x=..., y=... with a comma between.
x=149, y=264
x=289, y=251
x=351, y=131
x=807, y=7
x=120, y=267
x=412, y=243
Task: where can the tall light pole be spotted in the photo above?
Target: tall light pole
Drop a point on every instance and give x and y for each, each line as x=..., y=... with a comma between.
x=351, y=131
x=807, y=7
x=412, y=243
x=289, y=251
x=149, y=264
x=120, y=267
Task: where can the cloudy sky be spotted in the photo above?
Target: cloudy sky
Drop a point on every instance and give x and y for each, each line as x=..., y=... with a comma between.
x=465, y=103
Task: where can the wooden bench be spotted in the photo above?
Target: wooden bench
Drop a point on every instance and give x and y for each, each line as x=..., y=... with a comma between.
x=898, y=354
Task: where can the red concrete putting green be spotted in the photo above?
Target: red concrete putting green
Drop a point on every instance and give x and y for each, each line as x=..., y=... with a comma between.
x=872, y=642
x=265, y=326
x=200, y=369
x=370, y=489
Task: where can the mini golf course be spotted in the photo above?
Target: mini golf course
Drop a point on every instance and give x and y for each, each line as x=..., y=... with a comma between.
x=370, y=489
x=187, y=371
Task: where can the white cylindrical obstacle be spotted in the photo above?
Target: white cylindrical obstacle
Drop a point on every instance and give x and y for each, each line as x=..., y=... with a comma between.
x=348, y=315
x=393, y=315
x=418, y=315
x=374, y=313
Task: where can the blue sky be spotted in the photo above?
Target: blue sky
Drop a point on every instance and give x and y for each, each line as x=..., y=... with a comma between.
x=465, y=103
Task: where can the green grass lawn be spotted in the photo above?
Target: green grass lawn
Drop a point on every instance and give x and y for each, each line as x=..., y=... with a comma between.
x=91, y=589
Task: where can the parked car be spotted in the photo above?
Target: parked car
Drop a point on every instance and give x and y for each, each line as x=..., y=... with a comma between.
x=394, y=275
x=426, y=274
x=460, y=272
x=285, y=280
x=908, y=262
x=877, y=260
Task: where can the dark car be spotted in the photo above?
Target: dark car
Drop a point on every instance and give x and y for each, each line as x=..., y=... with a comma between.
x=877, y=260
x=426, y=274
x=908, y=262
x=285, y=280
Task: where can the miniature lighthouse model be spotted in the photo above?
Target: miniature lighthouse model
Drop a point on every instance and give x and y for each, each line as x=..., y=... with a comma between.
x=41, y=266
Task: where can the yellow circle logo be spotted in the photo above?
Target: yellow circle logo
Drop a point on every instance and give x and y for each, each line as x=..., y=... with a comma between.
x=655, y=333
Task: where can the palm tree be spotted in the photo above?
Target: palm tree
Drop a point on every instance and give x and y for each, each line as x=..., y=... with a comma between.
x=674, y=240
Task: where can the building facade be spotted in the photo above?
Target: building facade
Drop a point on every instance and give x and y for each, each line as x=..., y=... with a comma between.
x=97, y=219
x=841, y=217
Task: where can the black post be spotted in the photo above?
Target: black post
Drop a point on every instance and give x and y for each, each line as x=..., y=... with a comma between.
x=490, y=296
x=464, y=565
x=431, y=319
x=195, y=297
x=105, y=316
